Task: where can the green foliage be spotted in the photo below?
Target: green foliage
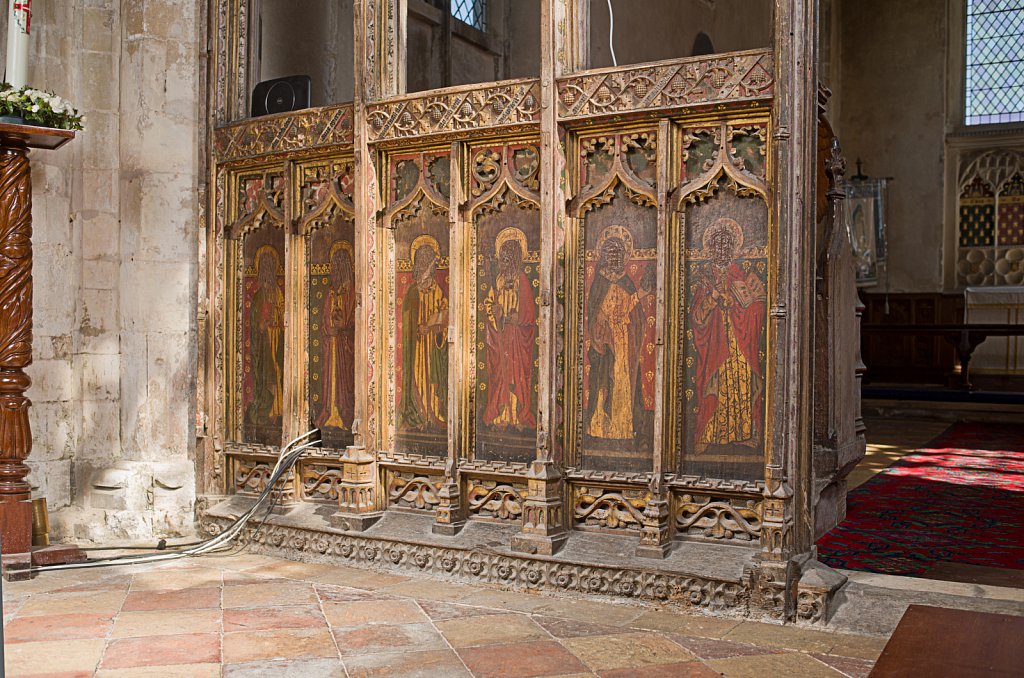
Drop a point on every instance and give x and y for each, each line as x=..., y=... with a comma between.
x=37, y=107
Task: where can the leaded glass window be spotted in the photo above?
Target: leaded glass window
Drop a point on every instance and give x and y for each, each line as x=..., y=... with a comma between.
x=472, y=12
x=995, y=61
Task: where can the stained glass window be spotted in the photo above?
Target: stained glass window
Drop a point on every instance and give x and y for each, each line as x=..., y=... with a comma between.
x=995, y=61
x=472, y=12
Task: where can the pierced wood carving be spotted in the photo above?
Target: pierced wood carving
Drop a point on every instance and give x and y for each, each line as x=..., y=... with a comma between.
x=315, y=128
x=688, y=82
x=702, y=515
x=494, y=106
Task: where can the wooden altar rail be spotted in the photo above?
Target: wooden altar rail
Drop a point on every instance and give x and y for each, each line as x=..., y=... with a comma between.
x=964, y=337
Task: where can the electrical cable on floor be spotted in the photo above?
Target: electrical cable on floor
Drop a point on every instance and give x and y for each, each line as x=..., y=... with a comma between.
x=225, y=540
x=611, y=33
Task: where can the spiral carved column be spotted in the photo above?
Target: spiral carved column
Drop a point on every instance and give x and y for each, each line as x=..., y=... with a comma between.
x=15, y=344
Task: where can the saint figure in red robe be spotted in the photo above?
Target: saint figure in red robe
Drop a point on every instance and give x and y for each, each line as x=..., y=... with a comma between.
x=728, y=321
x=510, y=337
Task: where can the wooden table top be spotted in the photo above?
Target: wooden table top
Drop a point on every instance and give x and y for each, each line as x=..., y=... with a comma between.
x=935, y=642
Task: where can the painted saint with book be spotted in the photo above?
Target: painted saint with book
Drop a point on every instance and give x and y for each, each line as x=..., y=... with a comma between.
x=728, y=321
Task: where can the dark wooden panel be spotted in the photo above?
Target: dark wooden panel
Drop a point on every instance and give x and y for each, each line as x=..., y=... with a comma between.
x=909, y=359
x=936, y=641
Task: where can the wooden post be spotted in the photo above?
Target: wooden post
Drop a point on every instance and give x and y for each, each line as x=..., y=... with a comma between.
x=545, y=519
x=16, y=335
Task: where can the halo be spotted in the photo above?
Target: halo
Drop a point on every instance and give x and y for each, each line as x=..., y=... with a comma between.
x=259, y=255
x=424, y=241
x=342, y=245
x=620, y=232
x=724, y=223
x=510, y=233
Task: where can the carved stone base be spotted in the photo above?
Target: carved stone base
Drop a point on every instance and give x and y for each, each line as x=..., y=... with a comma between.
x=655, y=537
x=544, y=530
x=450, y=516
x=357, y=501
x=816, y=592
x=354, y=522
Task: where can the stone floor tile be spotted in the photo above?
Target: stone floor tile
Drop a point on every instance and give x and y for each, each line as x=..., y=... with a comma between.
x=233, y=578
x=506, y=600
x=110, y=583
x=176, y=599
x=65, y=626
x=711, y=648
x=57, y=674
x=360, y=612
x=789, y=664
x=858, y=647
x=360, y=579
x=269, y=594
x=387, y=638
x=686, y=624
x=67, y=656
x=492, y=630
x=571, y=628
x=429, y=589
x=693, y=669
x=165, y=580
x=521, y=660
x=269, y=618
x=190, y=648
x=254, y=646
x=438, y=611
x=854, y=668
x=280, y=668
x=240, y=562
x=588, y=611
x=98, y=602
x=165, y=623
x=787, y=637
x=407, y=665
x=178, y=671
x=625, y=650
x=344, y=594
x=288, y=569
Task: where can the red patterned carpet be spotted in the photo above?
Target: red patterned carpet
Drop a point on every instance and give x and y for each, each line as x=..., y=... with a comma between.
x=960, y=500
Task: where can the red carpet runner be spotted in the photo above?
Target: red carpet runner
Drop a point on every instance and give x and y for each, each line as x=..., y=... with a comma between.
x=961, y=499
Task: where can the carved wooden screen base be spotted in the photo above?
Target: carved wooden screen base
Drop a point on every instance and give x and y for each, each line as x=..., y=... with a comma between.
x=16, y=336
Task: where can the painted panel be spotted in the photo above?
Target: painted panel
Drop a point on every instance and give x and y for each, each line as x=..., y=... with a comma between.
x=262, y=325
x=421, y=285
x=506, y=316
x=724, y=347
x=332, y=326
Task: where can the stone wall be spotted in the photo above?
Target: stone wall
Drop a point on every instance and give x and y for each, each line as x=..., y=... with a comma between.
x=653, y=30
x=116, y=216
x=892, y=86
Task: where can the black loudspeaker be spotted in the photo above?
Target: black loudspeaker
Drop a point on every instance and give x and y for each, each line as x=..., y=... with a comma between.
x=281, y=95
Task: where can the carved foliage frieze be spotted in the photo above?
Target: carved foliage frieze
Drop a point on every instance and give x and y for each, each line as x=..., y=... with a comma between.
x=503, y=105
x=715, y=79
x=720, y=518
x=410, y=490
x=312, y=128
x=496, y=500
x=477, y=567
x=609, y=509
x=251, y=475
x=321, y=482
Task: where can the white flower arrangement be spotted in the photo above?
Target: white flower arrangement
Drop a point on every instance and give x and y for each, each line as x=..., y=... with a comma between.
x=37, y=107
